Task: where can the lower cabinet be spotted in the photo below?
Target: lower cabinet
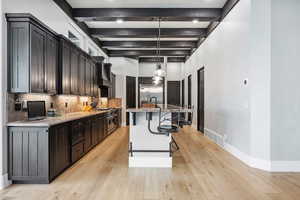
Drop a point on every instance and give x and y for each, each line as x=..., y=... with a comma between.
x=39, y=154
x=59, y=151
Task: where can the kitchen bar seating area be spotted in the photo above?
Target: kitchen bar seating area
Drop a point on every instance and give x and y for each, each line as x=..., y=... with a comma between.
x=158, y=100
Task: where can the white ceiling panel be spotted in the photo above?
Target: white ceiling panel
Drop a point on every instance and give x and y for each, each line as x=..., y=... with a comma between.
x=118, y=48
x=147, y=39
x=144, y=24
x=147, y=4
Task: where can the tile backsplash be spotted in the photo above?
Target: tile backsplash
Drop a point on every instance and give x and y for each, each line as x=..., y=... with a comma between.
x=75, y=104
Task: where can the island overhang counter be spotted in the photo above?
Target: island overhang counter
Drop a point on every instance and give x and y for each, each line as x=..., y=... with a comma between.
x=149, y=147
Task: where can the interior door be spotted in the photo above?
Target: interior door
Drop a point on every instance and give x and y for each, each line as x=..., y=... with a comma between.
x=130, y=95
x=190, y=96
x=200, y=110
x=173, y=96
x=182, y=92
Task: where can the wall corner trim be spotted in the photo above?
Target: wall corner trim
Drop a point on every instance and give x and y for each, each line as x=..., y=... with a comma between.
x=4, y=182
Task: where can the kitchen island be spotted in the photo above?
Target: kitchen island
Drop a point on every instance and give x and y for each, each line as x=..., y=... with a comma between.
x=148, y=146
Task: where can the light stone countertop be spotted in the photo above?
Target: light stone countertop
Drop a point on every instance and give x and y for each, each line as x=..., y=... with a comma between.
x=51, y=121
x=166, y=108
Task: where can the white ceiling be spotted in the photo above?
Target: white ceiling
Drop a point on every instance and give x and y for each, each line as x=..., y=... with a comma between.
x=147, y=4
x=119, y=48
x=150, y=24
x=148, y=39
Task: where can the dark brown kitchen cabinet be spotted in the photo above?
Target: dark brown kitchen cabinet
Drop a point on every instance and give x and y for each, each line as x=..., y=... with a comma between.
x=94, y=81
x=88, y=78
x=74, y=69
x=38, y=154
x=59, y=153
x=31, y=55
x=37, y=52
x=88, y=145
x=94, y=132
x=65, y=67
x=82, y=61
x=51, y=63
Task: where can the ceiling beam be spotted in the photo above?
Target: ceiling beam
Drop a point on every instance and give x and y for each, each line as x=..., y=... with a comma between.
x=176, y=59
x=151, y=59
x=147, y=32
x=122, y=53
x=147, y=14
x=149, y=44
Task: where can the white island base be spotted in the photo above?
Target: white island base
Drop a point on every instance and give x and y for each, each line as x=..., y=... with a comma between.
x=146, y=149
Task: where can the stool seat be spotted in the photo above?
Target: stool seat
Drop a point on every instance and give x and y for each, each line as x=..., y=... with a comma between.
x=168, y=128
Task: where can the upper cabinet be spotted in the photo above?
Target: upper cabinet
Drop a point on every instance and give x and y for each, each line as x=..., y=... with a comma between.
x=32, y=56
x=40, y=61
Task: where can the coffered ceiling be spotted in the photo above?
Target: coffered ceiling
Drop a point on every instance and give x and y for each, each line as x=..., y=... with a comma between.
x=129, y=28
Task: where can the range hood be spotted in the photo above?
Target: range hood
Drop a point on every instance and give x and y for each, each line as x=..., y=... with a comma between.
x=103, y=72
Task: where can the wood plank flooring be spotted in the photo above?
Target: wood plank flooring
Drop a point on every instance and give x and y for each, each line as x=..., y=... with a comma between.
x=202, y=170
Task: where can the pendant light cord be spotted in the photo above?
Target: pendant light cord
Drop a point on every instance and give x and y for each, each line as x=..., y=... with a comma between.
x=158, y=42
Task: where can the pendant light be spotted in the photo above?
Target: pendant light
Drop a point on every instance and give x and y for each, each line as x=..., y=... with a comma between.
x=159, y=72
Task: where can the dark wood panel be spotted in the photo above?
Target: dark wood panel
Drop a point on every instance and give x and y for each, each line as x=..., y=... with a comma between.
x=182, y=93
x=82, y=66
x=65, y=68
x=18, y=57
x=51, y=65
x=200, y=107
x=28, y=154
x=37, y=59
x=74, y=71
x=130, y=94
x=190, y=96
x=173, y=96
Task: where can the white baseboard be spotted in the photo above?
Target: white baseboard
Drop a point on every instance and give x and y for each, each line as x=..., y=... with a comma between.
x=214, y=136
x=150, y=162
x=248, y=160
x=285, y=166
x=4, y=182
x=266, y=165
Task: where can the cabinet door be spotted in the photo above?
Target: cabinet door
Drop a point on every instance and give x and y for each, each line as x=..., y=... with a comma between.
x=59, y=149
x=94, y=132
x=88, y=135
x=82, y=66
x=65, y=69
x=18, y=57
x=74, y=72
x=95, y=85
x=51, y=64
x=88, y=78
x=100, y=129
x=113, y=87
x=37, y=58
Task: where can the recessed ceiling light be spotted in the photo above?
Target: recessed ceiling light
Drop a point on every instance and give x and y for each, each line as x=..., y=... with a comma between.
x=119, y=21
x=195, y=21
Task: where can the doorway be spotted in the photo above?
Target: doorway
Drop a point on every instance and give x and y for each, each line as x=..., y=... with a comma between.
x=200, y=101
x=190, y=96
x=182, y=93
x=130, y=95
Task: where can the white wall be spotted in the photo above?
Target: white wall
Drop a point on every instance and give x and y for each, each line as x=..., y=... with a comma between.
x=225, y=56
x=285, y=101
x=123, y=67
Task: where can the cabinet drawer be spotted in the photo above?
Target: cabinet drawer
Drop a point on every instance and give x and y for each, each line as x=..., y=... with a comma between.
x=77, y=151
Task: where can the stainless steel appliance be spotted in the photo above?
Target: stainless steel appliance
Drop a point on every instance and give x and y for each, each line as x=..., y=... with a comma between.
x=151, y=91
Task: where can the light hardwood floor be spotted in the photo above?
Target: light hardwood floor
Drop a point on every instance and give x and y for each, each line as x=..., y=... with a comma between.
x=202, y=170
